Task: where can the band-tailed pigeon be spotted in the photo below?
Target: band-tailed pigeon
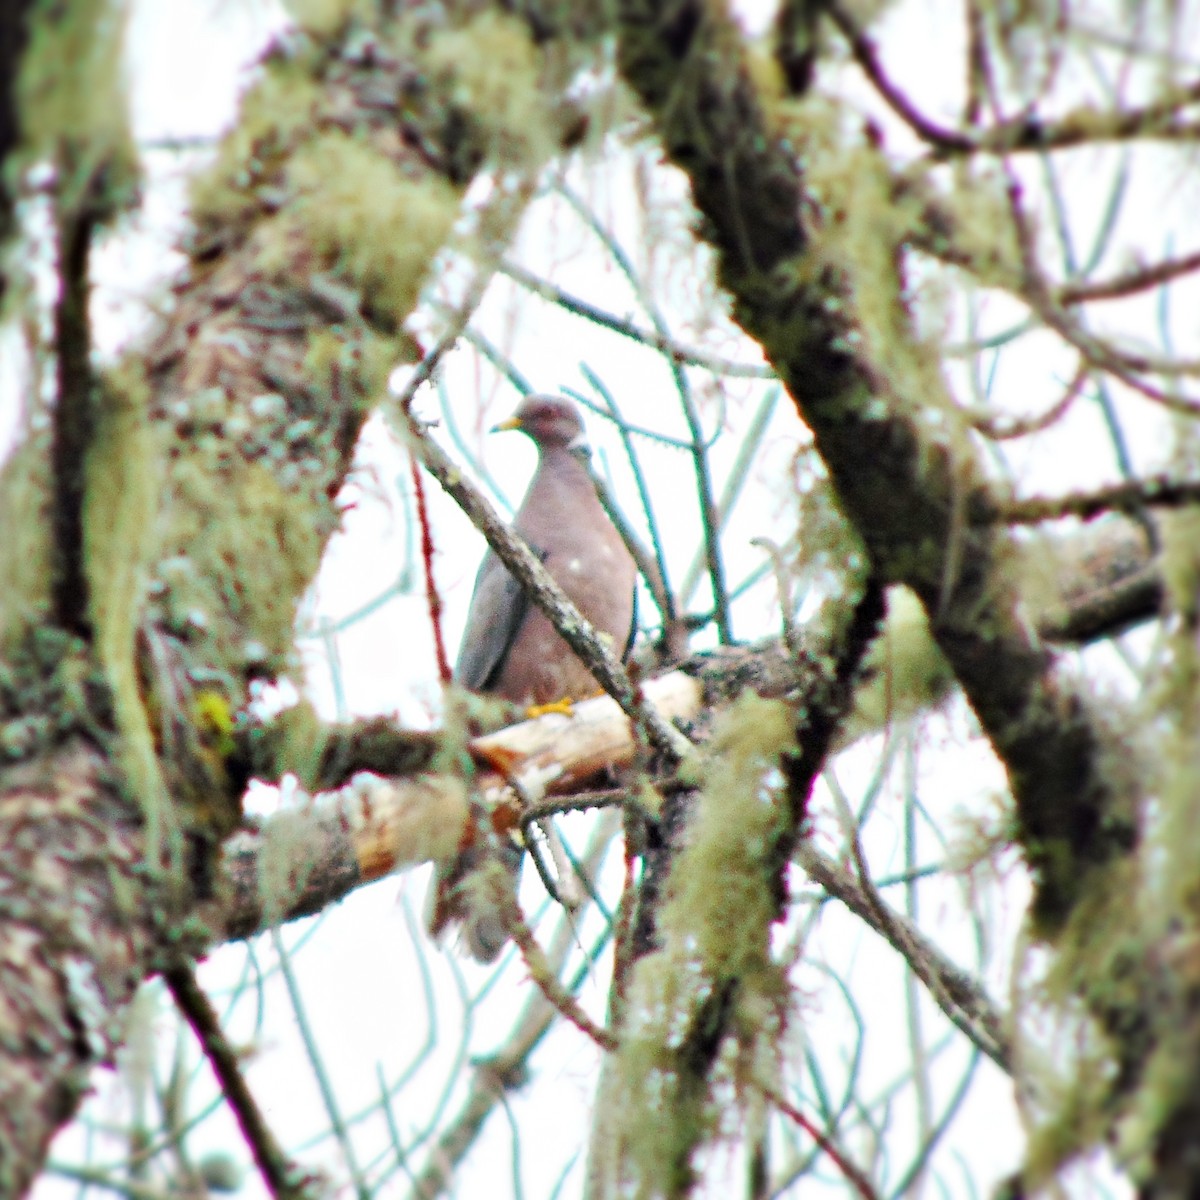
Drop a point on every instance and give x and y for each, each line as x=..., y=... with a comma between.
x=509, y=647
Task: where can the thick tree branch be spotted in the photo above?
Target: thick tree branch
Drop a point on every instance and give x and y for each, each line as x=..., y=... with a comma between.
x=932, y=523
x=1103, y=578
x=74, y=948
x=313, y=232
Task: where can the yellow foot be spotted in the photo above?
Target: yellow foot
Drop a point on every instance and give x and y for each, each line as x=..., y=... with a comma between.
x=563, y=706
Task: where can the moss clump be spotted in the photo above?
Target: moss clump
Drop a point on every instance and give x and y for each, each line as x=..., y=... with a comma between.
x=365, y=220
x=275, y=118
x=123, y=485
x=905, y=670
x=25, y=555
x=332, y=357
x=246, y=548
x=49, y=691
x=720, y=899
x=490, y=69
x=324, y=18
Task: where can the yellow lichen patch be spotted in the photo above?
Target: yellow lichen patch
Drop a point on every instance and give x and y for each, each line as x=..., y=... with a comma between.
x=493, y=72
x=368, y=221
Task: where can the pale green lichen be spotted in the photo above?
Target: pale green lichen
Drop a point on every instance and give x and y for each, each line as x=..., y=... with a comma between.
x=365, y=219
x=71, y=95
x=324, y=18
x=1180, y=533
x=276, y=116
x=122, y=488
x=249, y=548
x=25, y=547
x=1072, y=1116
x=979, y=211
x=365, y=356
x=864, y=220
x=905, y=672
x=718, y=899
x=713, y=932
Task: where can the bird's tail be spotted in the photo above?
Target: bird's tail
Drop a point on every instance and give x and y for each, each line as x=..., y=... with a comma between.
x=462, y=896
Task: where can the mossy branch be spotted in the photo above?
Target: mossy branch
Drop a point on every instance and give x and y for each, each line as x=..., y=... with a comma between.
x=860, y=381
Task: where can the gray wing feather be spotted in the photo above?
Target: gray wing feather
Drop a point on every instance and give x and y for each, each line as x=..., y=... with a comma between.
x=498, y=608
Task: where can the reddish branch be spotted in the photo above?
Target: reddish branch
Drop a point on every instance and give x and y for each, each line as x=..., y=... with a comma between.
x=1025, y=133
x=432, y=596
x=861, y=1183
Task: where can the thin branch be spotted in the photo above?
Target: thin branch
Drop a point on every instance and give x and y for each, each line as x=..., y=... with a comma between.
x=284, y=1181
x=685, y=355
x=697, y=447
x=865, y=54
x=1000, y=429
x=653, y=570
x=840, y=1159
x=962, y=999
x=507, y=1068
x=542, y=974
x=432, y=595
x=1130, y=497
x=932, y=527
x=1159, y=119
x=74, y=413
x=1118, y=287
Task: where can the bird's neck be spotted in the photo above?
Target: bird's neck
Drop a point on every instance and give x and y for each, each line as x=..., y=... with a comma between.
x=560, y=475
x=565, y=461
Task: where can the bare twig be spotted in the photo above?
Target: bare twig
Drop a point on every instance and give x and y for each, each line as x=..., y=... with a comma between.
x=279, y=1173
x=1129, y=497
x=1139, y=279
x=687, y=355
x=956, y=993
x=840, y=1159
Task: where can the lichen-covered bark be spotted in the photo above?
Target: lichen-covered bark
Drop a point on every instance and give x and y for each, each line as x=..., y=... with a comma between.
x=81, y=926
x=208, y=475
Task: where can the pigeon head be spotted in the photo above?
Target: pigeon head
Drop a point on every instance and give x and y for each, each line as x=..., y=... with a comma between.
x=551, y=421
